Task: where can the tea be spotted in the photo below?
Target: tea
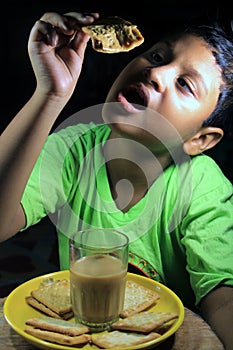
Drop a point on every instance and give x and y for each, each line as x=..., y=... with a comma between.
x=97, y=288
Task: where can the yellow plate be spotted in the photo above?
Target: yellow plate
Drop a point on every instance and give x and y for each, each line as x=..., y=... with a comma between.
x=17, y=311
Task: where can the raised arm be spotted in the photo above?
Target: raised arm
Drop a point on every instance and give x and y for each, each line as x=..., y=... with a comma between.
x=56, y=48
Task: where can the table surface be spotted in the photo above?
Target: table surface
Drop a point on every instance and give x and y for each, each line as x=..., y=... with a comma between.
x=194, y=334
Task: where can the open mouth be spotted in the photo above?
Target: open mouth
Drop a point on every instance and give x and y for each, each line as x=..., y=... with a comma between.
x=134, y=98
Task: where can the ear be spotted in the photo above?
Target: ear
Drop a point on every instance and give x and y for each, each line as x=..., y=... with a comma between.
x=204, y=139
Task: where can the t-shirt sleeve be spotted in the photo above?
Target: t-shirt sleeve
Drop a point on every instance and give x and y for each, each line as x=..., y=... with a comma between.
x=48, y=187
x=208, y=228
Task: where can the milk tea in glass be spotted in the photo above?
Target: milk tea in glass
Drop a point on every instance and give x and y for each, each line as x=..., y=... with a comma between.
x=98, y=269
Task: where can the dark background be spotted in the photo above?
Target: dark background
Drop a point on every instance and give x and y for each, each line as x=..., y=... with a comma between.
x=30, y=253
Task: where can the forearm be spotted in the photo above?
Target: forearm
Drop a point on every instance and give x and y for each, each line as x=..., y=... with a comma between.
x=217, y=309
x=20, y=146
x=56, y=49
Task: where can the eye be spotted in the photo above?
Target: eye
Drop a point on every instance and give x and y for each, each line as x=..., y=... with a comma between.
x=184, y=85
x=156, y=57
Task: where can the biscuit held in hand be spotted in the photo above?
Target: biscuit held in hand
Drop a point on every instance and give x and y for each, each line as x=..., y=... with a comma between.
x=113, y=35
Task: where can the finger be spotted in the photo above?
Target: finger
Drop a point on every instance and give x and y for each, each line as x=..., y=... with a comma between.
x=56, y=20
x=79, y=43
x=50, y=35
x=82, y=18
x=76, y=19
x=47, y=33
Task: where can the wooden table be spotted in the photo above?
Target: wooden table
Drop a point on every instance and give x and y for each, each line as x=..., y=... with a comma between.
x=194, y=334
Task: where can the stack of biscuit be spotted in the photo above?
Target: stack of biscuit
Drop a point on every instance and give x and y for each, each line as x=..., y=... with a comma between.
x=53, y=299
x=58, y=331
x=137, y=323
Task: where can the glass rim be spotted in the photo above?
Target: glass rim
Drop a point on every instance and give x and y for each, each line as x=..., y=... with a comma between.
x=85, y=246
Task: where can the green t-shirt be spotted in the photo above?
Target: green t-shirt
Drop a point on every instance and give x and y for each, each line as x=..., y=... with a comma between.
x=181, y=231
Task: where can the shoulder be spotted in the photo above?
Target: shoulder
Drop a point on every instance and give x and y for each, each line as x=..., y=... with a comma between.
x=196, y=171
x=205, y=169
x=209, y=182
x=199, y=178
x=78, y=134
x=80, y=130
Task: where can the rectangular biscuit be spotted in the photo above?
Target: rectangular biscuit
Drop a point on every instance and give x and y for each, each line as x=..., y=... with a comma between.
x=45, y=310
x=58, y=326
x=144, y=322
x=58, y=337
x=137, y=298
x=117, y=339
x=56, y=296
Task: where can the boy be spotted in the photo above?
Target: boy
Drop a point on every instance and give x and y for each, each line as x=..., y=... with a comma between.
x=143, y=171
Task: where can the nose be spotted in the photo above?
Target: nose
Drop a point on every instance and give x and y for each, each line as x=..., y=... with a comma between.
x=155, y=76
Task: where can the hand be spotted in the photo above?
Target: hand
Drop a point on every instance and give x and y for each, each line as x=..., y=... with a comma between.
x=56, y=49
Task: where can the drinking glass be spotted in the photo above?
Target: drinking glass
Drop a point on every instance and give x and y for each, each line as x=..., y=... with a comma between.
x=98, y=269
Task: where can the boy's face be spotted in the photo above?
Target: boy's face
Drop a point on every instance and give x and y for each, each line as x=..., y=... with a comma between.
x=178, y=85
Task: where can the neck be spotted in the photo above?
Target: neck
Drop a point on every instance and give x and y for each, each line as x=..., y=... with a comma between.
x=132, y=169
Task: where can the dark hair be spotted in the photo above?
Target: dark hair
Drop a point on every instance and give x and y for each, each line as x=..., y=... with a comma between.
x=221, y=42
